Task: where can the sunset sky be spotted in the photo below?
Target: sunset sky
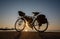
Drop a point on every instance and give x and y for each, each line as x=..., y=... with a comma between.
x=9, y=11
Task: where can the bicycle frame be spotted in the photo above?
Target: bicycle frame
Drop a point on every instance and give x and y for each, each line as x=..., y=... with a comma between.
x=31, y=20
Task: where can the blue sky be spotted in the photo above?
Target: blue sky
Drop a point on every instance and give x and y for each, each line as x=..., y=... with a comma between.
x=9, y=11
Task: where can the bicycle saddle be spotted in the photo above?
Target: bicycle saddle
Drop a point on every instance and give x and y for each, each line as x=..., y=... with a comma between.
x=35, y=13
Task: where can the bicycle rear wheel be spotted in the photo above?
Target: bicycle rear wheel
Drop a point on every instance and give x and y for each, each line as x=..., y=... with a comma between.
x=40, y=28
x=20, y=24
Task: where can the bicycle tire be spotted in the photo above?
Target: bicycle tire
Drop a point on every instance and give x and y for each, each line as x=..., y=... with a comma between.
x=16, y=25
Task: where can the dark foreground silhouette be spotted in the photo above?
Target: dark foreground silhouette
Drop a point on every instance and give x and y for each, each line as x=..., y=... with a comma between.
x=37, y=20
x=29, y=35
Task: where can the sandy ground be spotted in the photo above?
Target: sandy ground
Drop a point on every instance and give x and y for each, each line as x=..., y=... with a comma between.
x=29, y=35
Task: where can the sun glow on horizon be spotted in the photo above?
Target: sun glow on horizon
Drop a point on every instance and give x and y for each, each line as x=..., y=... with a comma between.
x=27, y=27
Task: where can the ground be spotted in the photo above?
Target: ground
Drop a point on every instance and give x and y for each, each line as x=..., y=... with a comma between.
x=29, y=35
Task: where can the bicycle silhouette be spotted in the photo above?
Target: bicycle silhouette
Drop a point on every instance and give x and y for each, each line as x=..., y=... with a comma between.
x=38, y=22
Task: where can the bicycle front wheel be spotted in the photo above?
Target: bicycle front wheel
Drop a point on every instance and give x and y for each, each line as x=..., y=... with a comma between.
x=20, y=24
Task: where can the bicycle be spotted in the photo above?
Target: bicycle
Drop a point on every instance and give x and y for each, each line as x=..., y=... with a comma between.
x=38, y=22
